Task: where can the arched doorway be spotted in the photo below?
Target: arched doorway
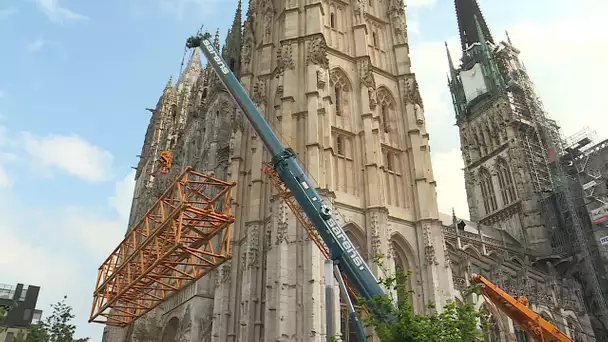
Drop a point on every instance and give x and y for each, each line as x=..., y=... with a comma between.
x=170, y=331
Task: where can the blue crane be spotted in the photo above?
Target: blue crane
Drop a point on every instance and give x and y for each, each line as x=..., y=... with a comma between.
x=343, y=253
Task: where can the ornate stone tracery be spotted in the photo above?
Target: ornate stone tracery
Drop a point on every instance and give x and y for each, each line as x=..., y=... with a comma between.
x=317, y=52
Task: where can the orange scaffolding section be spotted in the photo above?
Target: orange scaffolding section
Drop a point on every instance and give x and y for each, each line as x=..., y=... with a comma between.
x=184, y=236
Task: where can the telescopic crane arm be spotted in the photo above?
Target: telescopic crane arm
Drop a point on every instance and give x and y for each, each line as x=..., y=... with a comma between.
x=342, y=250
x=517, y=309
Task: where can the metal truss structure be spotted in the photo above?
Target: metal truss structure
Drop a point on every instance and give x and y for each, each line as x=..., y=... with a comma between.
x=184, y=236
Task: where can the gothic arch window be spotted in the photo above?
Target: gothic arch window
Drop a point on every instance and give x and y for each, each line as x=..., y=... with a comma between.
x=576, y=331
x=402, y=264
x=204, y=95
x=341, y=91
x=390, y=161
x=170, y=331
x=173, y=112
x=338, y=95
x=347, y=329
x=340, y=145
x=375, y=39
x=387, y=108
x=487, y=191
x=505, y=182
x=520, y=335
x=332, y=20
x=492, y=331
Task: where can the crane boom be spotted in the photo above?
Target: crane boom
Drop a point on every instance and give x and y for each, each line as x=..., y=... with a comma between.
x=517, y=309
x=342, y=251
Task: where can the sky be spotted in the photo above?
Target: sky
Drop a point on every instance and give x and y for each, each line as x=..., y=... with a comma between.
x=76, y=77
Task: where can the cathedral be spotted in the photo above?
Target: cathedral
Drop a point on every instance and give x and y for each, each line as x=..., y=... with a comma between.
x=334, y=79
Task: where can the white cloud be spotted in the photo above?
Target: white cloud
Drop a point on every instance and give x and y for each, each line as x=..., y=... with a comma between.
x=69, y=153
x=36, y=45
x=448, y=170
x=181, y=7
x=58, y=14
x=61, y=249
x=123, y=195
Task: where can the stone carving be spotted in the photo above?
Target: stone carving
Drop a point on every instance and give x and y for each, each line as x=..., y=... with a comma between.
x=236, y=119
x=396, y=11
x=375, y=238
x=282, y=225
x=366, y=74
x=373, y=100
x=268, y=238
x=185, y=326
x=226, y=272
x=429, y=249
x=253, y=247
x=317, y=52
x=321, y=78
x=284, y=59
x=412, y=92
x=246, y=53
x=418, y=114
x=267, y=25
x=359, y=9
x=259, y=92
x=244, y=249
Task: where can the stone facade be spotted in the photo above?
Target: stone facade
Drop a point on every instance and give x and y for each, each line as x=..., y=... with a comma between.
x=507, y=145
x=334, y=80
x=493, y=253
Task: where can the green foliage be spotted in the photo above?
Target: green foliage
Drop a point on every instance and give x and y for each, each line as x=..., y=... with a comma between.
x=456, y=323
x=58, y=324
x=56, y=328
x=3, y=313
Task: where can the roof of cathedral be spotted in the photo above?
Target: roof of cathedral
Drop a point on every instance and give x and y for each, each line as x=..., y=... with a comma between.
x=468, y=12
x=487, y=231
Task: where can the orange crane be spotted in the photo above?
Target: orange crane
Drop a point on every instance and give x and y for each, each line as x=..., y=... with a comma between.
x=517, y=309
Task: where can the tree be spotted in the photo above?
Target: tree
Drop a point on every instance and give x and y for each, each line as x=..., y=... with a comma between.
x=55, y=328
x=3, y=313
x=455, y=323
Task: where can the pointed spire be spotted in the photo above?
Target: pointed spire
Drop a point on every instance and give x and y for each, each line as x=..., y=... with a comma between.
x=466, y=11
x=169, y=84
x=508, y=38
x=194, y=64
x=450, y=61
x=234, y=39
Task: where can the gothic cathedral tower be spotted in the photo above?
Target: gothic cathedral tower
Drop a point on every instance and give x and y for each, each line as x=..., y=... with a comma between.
x=334, y=79
x=506, y=140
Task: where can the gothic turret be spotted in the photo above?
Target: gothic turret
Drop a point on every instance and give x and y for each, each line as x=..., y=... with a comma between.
x=232, y=48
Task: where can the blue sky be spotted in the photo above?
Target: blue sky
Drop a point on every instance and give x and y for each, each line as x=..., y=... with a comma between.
x=76, y=77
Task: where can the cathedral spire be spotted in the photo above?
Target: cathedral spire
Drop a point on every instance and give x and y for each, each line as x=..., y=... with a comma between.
x=234, y=39
x=466, y=11
x=450, y=61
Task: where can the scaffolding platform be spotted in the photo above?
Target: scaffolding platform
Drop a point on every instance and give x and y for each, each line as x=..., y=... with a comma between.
x=184, y=236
